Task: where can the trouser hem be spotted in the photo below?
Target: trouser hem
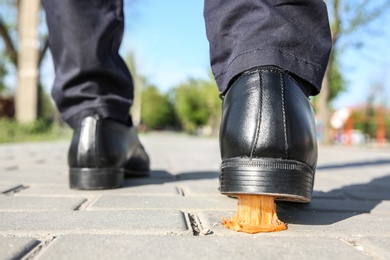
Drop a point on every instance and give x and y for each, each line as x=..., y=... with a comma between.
x=308, y=71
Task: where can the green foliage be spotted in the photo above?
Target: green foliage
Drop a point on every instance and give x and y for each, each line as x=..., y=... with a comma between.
x=40, y=130
x=197, y=104
x=348, y=17
x=156, y=109
x=190, y=107
x=337, y=82
x=3, y=73
x=46, y=108
x=387, y=124
x=348, y=20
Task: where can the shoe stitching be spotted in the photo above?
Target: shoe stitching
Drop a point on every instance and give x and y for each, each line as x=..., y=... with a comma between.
x=252, y=71
x=284, y=116
x=259, y=116
x=96, y=142
x=286, y=165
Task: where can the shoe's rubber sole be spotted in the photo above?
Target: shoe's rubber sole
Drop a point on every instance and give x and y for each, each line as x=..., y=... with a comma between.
x=286, y=180
x=96, y=178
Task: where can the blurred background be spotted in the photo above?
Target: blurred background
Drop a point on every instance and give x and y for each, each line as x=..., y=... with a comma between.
x=166, y=49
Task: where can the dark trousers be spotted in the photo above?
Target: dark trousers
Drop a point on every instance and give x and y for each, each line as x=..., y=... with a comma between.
x=91, y=77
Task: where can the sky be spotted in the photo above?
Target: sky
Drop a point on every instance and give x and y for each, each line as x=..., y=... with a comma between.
x=169, y=42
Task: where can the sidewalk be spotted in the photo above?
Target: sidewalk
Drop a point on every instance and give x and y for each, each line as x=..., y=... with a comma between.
x=177, y=212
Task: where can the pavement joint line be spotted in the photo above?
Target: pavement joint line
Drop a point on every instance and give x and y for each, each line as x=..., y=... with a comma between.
x=82, y=205
x=180, y=191
x=15, y=189
x=41, y=246
x=86, y=203
x=194, y=223
x=11, y=168
x=26, y=251
x=357, y=246
x=107, y=231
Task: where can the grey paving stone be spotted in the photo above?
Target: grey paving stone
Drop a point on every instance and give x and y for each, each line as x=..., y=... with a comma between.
x=103, y=222
x=207, y=247
x=205, y=188
x=27, y=176
x=378, y=247
x=176, y=179
x=35, y=155
x=181, y=153
x=333, y=205
x=6, y=166
x=343, y=224
x=21, y=203
x=382, y=208
x=166, y=202
x=322, y=184
x=353, y=177
x=16, y=247
x=26, y=161
x=354, y=156
x=348, y=218
x=352, y=180
x=318, y=224
x=64, y=190
x=5, y=156
x=45, y=167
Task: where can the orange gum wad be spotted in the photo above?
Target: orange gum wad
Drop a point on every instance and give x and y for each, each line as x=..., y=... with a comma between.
x=255, y=214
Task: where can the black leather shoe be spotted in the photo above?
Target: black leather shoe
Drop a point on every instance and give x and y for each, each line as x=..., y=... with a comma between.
x=267, y=139
x=102, y=151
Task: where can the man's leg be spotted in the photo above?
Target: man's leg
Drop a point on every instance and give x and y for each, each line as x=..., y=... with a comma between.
x=93, y=90
x=91, y=77
x=291, y=34
x=267, y=57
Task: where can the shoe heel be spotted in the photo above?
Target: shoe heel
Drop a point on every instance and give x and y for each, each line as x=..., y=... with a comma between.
x=95, y=178
x=283, y=179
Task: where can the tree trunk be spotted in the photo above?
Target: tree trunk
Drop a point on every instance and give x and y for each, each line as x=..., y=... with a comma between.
x=28, y=58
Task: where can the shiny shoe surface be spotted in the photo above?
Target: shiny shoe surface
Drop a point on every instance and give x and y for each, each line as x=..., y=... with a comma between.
x=267, y=137
x=102, y=151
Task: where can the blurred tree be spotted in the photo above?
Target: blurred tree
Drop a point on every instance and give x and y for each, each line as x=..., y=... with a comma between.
x=156, y=110
x=190, y=106
x=138, y=83
x=25, y=49
x=337, y=83
x=46, y=108
x=3, y=73
x=375, y=92
x=347, y=18
x=197, y=104
x=213, y=102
